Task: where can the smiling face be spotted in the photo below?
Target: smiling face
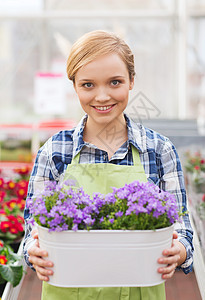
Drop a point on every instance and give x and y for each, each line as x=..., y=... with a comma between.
x=103, y=88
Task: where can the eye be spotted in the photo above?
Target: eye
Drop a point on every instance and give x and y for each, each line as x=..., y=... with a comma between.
x=115, y=82
x=87, y=85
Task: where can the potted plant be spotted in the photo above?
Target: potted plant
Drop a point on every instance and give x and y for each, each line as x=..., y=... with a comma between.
x=103, y=239
x=12, y=202
x=195, y=168
x=200, y=209
x=9, y=271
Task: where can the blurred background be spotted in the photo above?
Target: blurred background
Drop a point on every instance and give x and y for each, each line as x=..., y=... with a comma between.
x=37, y=99
x=166, y=37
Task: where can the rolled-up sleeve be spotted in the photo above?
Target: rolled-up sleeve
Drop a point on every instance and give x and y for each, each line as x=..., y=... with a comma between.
x=172, y=180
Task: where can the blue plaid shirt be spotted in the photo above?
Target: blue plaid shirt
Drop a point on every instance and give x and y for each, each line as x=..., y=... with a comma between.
x=157, y=154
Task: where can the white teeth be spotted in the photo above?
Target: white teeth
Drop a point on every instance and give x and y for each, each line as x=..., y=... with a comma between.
x=103, y=107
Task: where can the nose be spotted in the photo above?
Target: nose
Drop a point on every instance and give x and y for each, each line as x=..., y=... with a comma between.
x=102, y=94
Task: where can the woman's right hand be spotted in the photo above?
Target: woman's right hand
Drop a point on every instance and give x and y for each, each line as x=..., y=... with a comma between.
x=36, y=257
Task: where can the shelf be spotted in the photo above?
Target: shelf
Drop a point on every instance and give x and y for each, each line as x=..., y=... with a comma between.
x=199, y=264
x=13, y=165
x=10, y=292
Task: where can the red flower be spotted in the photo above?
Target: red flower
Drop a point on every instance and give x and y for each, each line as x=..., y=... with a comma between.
x=203, y=198
x=3, y=259
x=1, y=244
x=11, y=203
x=23, y=184
x=5, y=225
x=2, y=196
x=202, y=161
x=12, y=219
x=197, y=168
x=22, y=188
x=21, y=193
x=11, y=185
x=20, y=219
x=1, y=182
x=13, y=225
x=19, y=227
x=23, y=171
x=16, y=226
x=21, y=203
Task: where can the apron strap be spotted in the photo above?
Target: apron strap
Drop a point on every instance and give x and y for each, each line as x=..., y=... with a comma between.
x=135, y=157
x=75, y=160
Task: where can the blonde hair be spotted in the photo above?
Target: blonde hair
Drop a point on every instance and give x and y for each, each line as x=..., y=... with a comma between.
x=94, y=44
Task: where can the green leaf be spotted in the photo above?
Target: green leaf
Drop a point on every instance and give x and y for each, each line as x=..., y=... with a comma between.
x=11, y=273
x=2, y=280
x=7, y=236
x=12, y=255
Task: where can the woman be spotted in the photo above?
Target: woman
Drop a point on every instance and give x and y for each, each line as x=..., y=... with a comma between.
x=101, y=67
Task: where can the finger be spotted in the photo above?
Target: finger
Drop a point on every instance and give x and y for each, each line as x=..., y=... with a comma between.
x=167, y=276
x=42, y=277
x=175, y=235
x=43, y=271
x=36, y=251
x=174, y=250
x=169, y=260
x=34, y=233
x=37, y=243
x=168, y=271
x=38, y=261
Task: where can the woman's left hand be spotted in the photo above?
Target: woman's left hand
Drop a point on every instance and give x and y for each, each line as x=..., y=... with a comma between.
x=172, y=258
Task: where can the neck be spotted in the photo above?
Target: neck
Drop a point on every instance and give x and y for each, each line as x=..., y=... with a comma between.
x=114, y=132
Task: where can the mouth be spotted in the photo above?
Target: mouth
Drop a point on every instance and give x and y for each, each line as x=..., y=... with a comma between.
x=105, y=108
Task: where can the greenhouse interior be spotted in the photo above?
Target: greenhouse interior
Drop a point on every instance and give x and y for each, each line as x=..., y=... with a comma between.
x=40, y=113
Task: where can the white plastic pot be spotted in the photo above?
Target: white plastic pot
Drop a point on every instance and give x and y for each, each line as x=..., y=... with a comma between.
x=105, y=258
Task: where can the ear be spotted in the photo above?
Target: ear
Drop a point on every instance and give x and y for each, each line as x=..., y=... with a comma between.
x=131, y=83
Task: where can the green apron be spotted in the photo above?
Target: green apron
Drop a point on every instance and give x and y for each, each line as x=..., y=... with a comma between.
x=101, y=177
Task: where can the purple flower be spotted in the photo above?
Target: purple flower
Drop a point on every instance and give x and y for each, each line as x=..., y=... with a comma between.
x=42, y=220
x=123, y=193
x=119, y=214
x=110, y=198
x=111, y=220
x=75, y=227
x=101, y=219
x=89, y=221
x=133, y=206
x=61, y=196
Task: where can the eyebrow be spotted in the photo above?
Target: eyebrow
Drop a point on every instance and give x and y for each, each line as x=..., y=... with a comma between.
x=114, y=77
x=85, y=79
x=117, y=76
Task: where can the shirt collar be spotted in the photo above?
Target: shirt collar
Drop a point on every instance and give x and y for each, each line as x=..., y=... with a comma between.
x=78, y=141
x=135, y=135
